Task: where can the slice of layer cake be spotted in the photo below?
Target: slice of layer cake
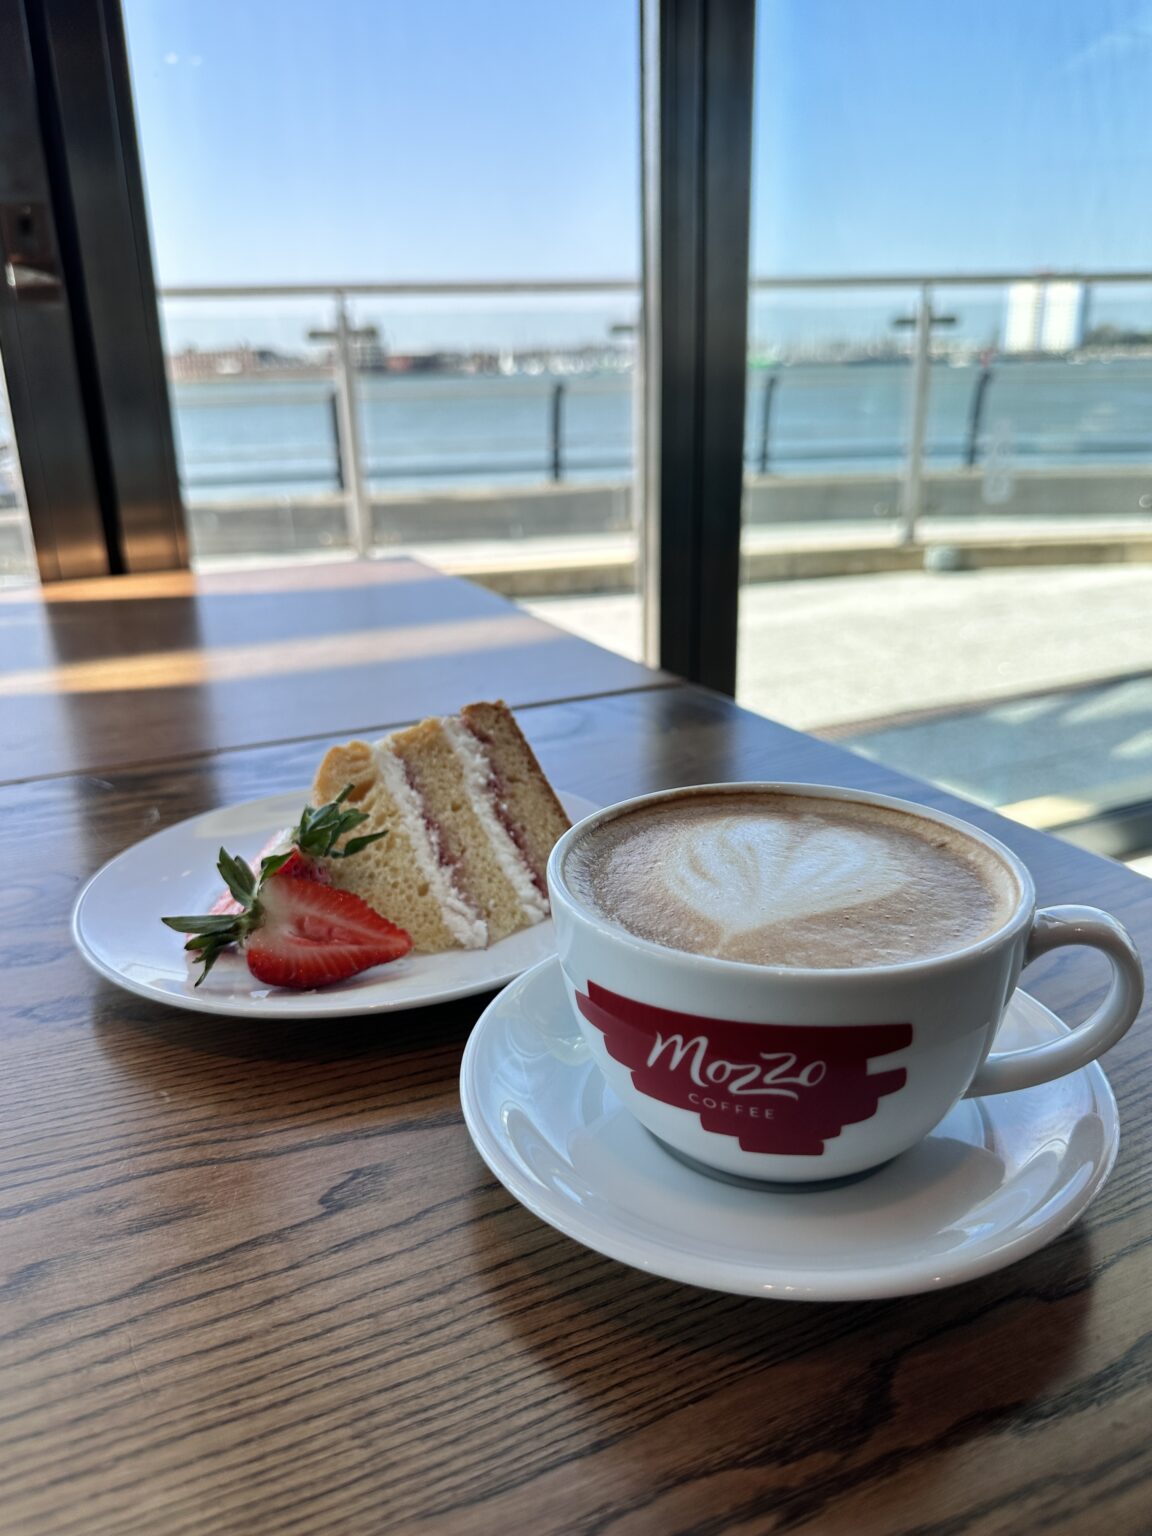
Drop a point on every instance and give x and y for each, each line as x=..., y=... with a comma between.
x=471, y=820
x=403, y=872
x=527, y=802
x=446, y=766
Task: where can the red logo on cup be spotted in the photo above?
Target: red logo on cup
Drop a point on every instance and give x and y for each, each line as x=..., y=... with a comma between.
x=777, y=1088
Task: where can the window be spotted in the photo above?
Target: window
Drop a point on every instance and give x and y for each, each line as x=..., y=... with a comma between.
x=398, y=259
x=948, y=494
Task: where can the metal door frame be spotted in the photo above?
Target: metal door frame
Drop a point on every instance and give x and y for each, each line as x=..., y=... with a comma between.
x=86, y=367
x=37, y=340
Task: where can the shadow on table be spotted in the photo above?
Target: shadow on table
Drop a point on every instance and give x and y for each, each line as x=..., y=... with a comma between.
x=141, y=1036
x=842, y=1387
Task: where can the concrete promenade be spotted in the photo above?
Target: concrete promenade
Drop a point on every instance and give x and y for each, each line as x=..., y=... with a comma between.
x=965, y=654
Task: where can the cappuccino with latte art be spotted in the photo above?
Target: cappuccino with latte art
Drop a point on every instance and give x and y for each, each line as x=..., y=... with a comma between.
x=796, y=982
x=788, y=880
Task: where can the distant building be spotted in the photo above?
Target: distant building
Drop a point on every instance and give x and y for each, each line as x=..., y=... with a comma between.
x=225, y=362
x=1065, y=312
x=1045, y=317
x=420, y=362
x=1022, y=318
x=371, y=355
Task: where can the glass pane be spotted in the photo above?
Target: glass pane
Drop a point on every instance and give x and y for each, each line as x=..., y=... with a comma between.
x=17, y=557
x=470, y=152
x=948, y=502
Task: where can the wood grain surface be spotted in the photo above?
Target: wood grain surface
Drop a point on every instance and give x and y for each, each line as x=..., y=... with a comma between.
x=255, y=1279
x=103, y=674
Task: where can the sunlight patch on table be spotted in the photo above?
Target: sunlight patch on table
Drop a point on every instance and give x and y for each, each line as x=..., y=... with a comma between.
x=189, y=668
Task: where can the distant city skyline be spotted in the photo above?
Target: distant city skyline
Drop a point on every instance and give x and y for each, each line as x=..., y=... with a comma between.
x=464, y=141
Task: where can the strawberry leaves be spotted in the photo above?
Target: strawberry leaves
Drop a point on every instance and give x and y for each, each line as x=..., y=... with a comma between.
x=238, y=877
x=318, y=831
x=214, y=932
x=273, y=864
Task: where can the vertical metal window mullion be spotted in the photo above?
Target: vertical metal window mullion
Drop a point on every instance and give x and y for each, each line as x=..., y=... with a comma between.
x=697, y=147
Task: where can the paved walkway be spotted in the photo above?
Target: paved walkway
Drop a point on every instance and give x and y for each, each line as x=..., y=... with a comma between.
x=839, y=655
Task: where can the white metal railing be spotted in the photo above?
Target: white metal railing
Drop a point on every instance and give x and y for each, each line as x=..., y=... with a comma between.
x=924, y=283
x=954, y=279
x=484, y=287
x=512, y=285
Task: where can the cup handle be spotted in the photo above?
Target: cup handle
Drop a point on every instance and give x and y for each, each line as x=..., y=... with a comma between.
x=1052, y=928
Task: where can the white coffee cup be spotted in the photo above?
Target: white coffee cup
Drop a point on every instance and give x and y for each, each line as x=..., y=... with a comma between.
x=790, y=1074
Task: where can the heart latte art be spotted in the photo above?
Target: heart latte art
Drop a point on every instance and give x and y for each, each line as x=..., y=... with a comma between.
x=745, y=871
x=780, y=879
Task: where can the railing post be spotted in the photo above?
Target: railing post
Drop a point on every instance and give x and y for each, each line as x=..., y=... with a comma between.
x=557, y=430
x=976, y=416
x=770, y=384
x=911, y=491
x=348, y=436
x=349, y=463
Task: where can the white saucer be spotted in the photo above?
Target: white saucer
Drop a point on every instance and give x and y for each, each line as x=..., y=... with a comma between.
x=117, y=928
x=996, y=1180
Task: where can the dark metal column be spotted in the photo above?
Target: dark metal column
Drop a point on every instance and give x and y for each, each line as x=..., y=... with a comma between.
x=81, y=65
x=697, y=93
x=37, y=339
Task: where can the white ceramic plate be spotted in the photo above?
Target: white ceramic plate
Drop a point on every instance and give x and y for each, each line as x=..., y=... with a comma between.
x=116, y=924
x=997, y=1179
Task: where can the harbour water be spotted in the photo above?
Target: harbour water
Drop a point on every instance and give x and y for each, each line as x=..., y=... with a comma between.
x=265, y=438
x=248, y=437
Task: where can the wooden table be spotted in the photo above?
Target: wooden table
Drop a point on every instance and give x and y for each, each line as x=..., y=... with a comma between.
x=255, y=1280
x=106, y=673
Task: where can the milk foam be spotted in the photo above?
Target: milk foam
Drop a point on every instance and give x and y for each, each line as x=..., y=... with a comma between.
x=791, y=880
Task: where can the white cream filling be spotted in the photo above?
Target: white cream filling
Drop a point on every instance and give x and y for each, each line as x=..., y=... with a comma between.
x=474, y=765
x=462, y=920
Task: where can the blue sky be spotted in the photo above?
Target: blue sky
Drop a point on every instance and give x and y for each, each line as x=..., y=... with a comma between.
x=375, y=139
x=390, y=139
x=953, y=134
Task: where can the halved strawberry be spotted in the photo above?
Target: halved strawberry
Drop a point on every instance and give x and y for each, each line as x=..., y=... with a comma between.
x=311, y=935
x=295, y=927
